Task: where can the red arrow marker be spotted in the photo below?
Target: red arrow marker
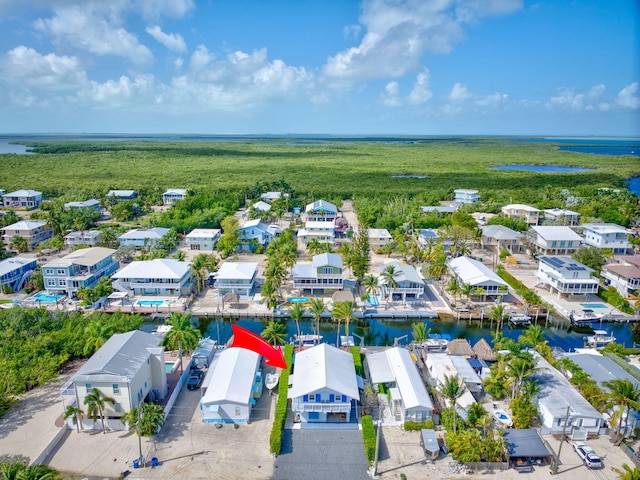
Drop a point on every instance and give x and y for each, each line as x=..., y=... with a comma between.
x=243, y=338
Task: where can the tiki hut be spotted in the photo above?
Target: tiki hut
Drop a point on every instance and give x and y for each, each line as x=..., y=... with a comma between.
x=460, y=346
x=484, y=351
x=230, y=298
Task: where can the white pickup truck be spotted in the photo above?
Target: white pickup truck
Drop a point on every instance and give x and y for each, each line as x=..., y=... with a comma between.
x=588, y=455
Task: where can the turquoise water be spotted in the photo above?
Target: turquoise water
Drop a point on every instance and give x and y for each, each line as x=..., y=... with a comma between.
x=593, y=305
x=298, y=300
x=542, y=168
x=45, y=298
x=168, y=366
x=151, y=303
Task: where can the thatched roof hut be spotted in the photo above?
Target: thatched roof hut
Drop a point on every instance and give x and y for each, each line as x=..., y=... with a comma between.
x=230, y=298
x=460, y=346
x=484, y=351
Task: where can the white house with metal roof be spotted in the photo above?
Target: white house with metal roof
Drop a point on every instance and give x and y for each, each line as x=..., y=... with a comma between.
x=478, y=275
x=261, y=206
x=440, y=367
x=624, y=274
x=324, y=387
x=22, y=199
x=81, y=268
x=378, y=238
x=119, y=195
x=526, y=213
x=555, y=240
x=92, y=204
x=465, y=195
x=323, y=273
x=321, y=211
x=142, y=237
x=607, y=235
x=557, y=397
x=254, y=233
x=562, y=216
x=323, y=232
x=497, y=237
x=408, y=282
x=85, y=238
x=129, y=367
x=408, y=399
x=160, y=276
x=15, y=271
x=33, y=231
x=174, y=195
x=439, y=209
x=271, y=196
x=202, y=239
x=236, y=277
x=565, y=275
x=233, y=385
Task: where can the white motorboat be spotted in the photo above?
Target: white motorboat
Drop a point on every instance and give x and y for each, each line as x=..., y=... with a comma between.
x=585, y=317
x=599, y=338
x=502, y=417
x=307, y=340
x=518, y=320
x=271, y=380
x=436, y=342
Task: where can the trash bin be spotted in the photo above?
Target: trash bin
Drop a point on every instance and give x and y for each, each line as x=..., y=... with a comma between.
x=154, y=462
x=136, y=463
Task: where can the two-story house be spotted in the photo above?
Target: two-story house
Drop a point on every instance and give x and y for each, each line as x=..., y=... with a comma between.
x=129, y=368
x=321, y=211
x=378, y=238
x=526, y=213
x=236, y=277
x=203, y=239
x=161, y=276
x=555, y=240
x=497, y=237
x=324, y=273
x=624, y=274
x=143, y=237
x=323, y=232
x=406, y=284
x=22, y=199
x=607, y=235
x=464, y=195
x=562, y=216
x=81, y=268
x=33, y=231
x=15, y=271
x=566, y=276
x=86, y=238
x=478, y=275
x=324, y=387
x=92, y=204
x=254, y=233
x=174, y=195
x=120, y=195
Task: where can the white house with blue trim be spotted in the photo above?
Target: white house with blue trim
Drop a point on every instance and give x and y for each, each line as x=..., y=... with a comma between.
x=321, y=211
x=254, y=233
x=324, y=385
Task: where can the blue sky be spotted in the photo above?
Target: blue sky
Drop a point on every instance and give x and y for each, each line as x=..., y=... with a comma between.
x=414, y=67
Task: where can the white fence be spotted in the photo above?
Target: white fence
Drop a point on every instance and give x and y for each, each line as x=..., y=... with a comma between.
x=176, y=392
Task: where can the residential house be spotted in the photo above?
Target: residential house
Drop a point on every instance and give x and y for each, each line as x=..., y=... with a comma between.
x=231, y=387
x=566, y=276
x=174, y=195
x=555, y=240
x=81, y=268
x=324, y=387
x=161, y=276
x=321, y=211
x=322, y=231
x=378, y=238
x=86, y=238
x=526, y=213
x=15, y=271
x=463, y=369
x=442, y=209
x=119, y=195
x=33, y=231
x=254, y=233
x=607, y=235
x=203, y=239
x=408, y=397
x=602, y=369
x=408, y=282
x=478, y=275
x=440, y=368
x=562, y=216
x=463, y=195
x=497, y=237
x=261, y=206
x=236, y=277
x=22, y=199
x=271, y=196
x=129, y=368
x=92, y=203
x=624, y=275
x=559, y=400
x=324, y=273
x=143, y=237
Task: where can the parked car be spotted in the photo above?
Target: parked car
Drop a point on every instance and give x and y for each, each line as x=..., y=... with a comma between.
x=588, y=455
x=195, y=379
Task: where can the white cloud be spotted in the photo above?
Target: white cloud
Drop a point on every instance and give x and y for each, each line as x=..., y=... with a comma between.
x=173, y=41
x=596, y=91
x=96, y=28
x=399, y=32
x=420, y=93
x=627, y=96
x=200, y=58
x=459, y=93
x=566, y=98
x=392, y=96
x=153, y=9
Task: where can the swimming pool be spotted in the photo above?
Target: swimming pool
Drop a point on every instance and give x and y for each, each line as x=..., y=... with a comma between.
x=170, y=366
x=151, y=303
x=593, y=305
x=297, y=300
x=44, y=297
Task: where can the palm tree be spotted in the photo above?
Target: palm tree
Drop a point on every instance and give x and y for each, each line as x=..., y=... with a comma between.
x=202, y=266
x=454, y=288
x=519, y=369
x=420, y=331
x=344, y=310
x=452, y=389
x=625, y=395
x=467, y=290
x=317, y=308
x=15, y=470
x=370, y=285
x=96, y=335
x=96, y=402
x=145, y=420
x=181, y=335
x=627, y=473
x=388, y=280
x=314, y=247
x=297, y=313
x=75, y=414
x=20, y=244
x=498, y=314
x=108, y=237
x=288, y=255
x=274, y=332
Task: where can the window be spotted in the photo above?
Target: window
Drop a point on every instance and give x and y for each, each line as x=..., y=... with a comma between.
x=312, y=397
x=51, y=283
x=88, y=386
x=116, y=389
x=117, y=406
x=60, y=271
x=48, y=271
x=63, y=282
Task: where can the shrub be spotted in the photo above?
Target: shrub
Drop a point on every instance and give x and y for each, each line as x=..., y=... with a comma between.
x=369, y=437
x=275, y=440
x=410, y=425
x=357, y=360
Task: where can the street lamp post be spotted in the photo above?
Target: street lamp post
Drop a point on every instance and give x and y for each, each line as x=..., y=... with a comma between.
x=374, y=469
